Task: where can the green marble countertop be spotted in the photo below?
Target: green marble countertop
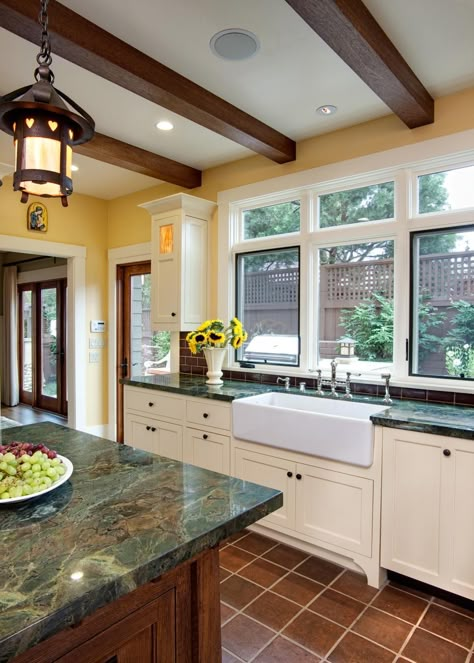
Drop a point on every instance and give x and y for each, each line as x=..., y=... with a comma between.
x=195, y=385
x=450, y=420
x=124, y=518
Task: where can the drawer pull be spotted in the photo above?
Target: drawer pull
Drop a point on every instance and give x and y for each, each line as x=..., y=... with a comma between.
x=299, y=477
x=153, y=429
x=173, y=315
x=446, y=452
x=148, y=427
x=150, y=404
x=205, y=415
x=205, y=436
x=289, y=474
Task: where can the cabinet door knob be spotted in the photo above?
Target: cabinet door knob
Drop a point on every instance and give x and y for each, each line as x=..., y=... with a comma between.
x=173, y=315
x=150, y=404
x=446, y=452
x=205, y=415
x=289, y=474
x=205, y=436
x=299, y=477
x=153, y=429
x=148, y=427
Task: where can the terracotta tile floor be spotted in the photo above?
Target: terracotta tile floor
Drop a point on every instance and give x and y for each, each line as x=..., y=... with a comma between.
x=280, y=605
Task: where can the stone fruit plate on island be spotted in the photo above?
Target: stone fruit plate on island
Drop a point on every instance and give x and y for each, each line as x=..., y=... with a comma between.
x=69, y=469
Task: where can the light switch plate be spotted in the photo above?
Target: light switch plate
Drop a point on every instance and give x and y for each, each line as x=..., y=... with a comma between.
x=94, y=357
x=96, y=342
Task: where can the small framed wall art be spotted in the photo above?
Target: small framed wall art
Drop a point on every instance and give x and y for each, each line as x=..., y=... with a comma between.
x=37, y=217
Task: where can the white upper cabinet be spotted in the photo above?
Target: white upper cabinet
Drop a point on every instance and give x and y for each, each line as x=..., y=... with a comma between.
x=179, y=264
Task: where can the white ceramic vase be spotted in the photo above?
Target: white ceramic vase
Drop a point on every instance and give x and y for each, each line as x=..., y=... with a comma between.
x=215, y=359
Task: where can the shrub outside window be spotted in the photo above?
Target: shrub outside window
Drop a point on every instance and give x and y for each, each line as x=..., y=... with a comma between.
x=267, y=295
x=356, y=284
x=442, y=341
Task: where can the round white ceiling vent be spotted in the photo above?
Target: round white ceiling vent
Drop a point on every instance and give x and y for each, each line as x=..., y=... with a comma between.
x=234, y=44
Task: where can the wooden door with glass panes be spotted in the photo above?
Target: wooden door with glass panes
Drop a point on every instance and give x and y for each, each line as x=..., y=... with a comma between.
x=42, y=345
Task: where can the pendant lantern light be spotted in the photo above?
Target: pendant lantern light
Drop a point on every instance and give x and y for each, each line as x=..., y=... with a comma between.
x=45, y=124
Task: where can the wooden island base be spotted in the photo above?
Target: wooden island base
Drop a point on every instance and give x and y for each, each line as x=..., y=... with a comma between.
x=173, y=619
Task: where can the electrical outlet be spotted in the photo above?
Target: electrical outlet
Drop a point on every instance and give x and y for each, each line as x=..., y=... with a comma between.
x=94, y=357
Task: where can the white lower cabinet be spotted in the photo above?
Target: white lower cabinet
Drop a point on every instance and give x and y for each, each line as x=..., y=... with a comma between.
x=271, y=472
x=153, y=435
x=428, y=509
x=334, y=507
x=192, y=430
x=208, y=450
x=329, y=505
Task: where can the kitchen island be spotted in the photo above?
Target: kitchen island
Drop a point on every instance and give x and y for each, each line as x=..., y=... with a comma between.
x=121, y=562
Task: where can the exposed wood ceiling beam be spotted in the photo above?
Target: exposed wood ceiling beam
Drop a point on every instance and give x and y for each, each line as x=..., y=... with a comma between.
x=113, y=151
x=78, y=40
x=351, y=31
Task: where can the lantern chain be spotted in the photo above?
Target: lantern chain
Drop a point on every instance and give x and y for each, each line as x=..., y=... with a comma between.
x=44, y=56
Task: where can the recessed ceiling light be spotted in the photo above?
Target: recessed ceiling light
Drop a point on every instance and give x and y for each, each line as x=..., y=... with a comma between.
x=164, y=125
x=74, y=168
x=234, y=44
x=326, y=110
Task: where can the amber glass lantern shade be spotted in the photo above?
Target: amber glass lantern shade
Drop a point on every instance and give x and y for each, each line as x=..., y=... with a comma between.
x=44, y=130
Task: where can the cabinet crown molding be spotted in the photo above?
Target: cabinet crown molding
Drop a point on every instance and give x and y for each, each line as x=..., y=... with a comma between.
x=197, y=207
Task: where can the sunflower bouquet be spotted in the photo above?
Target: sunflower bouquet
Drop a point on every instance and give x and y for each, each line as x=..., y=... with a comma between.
x=214, y=334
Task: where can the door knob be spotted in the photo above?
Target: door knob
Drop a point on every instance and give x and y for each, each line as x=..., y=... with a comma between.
x=299, y=477
x=446, y=452
x=289, y=474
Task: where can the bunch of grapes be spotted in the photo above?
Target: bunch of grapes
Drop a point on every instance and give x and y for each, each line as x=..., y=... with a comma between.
x=27, y=468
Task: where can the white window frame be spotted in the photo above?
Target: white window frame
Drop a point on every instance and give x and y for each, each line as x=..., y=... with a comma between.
x=403, y=165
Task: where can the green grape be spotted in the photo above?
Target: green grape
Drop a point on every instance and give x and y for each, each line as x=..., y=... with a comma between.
x=27, y=475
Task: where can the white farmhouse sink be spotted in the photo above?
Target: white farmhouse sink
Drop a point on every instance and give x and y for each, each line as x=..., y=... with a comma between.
x=336, y=429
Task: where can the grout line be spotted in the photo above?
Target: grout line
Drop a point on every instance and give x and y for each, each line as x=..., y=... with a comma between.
x=397, y=654
x=328, y=653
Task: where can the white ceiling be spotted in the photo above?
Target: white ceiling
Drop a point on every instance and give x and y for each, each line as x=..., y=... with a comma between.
x=293, y=73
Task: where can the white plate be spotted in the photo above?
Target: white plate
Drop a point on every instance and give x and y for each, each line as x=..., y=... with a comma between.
x=69, y=468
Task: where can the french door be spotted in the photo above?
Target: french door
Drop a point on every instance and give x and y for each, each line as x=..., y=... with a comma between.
x=140, y=350
x=42, y=345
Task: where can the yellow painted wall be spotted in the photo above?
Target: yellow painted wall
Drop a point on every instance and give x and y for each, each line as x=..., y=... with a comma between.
x=83, y=223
